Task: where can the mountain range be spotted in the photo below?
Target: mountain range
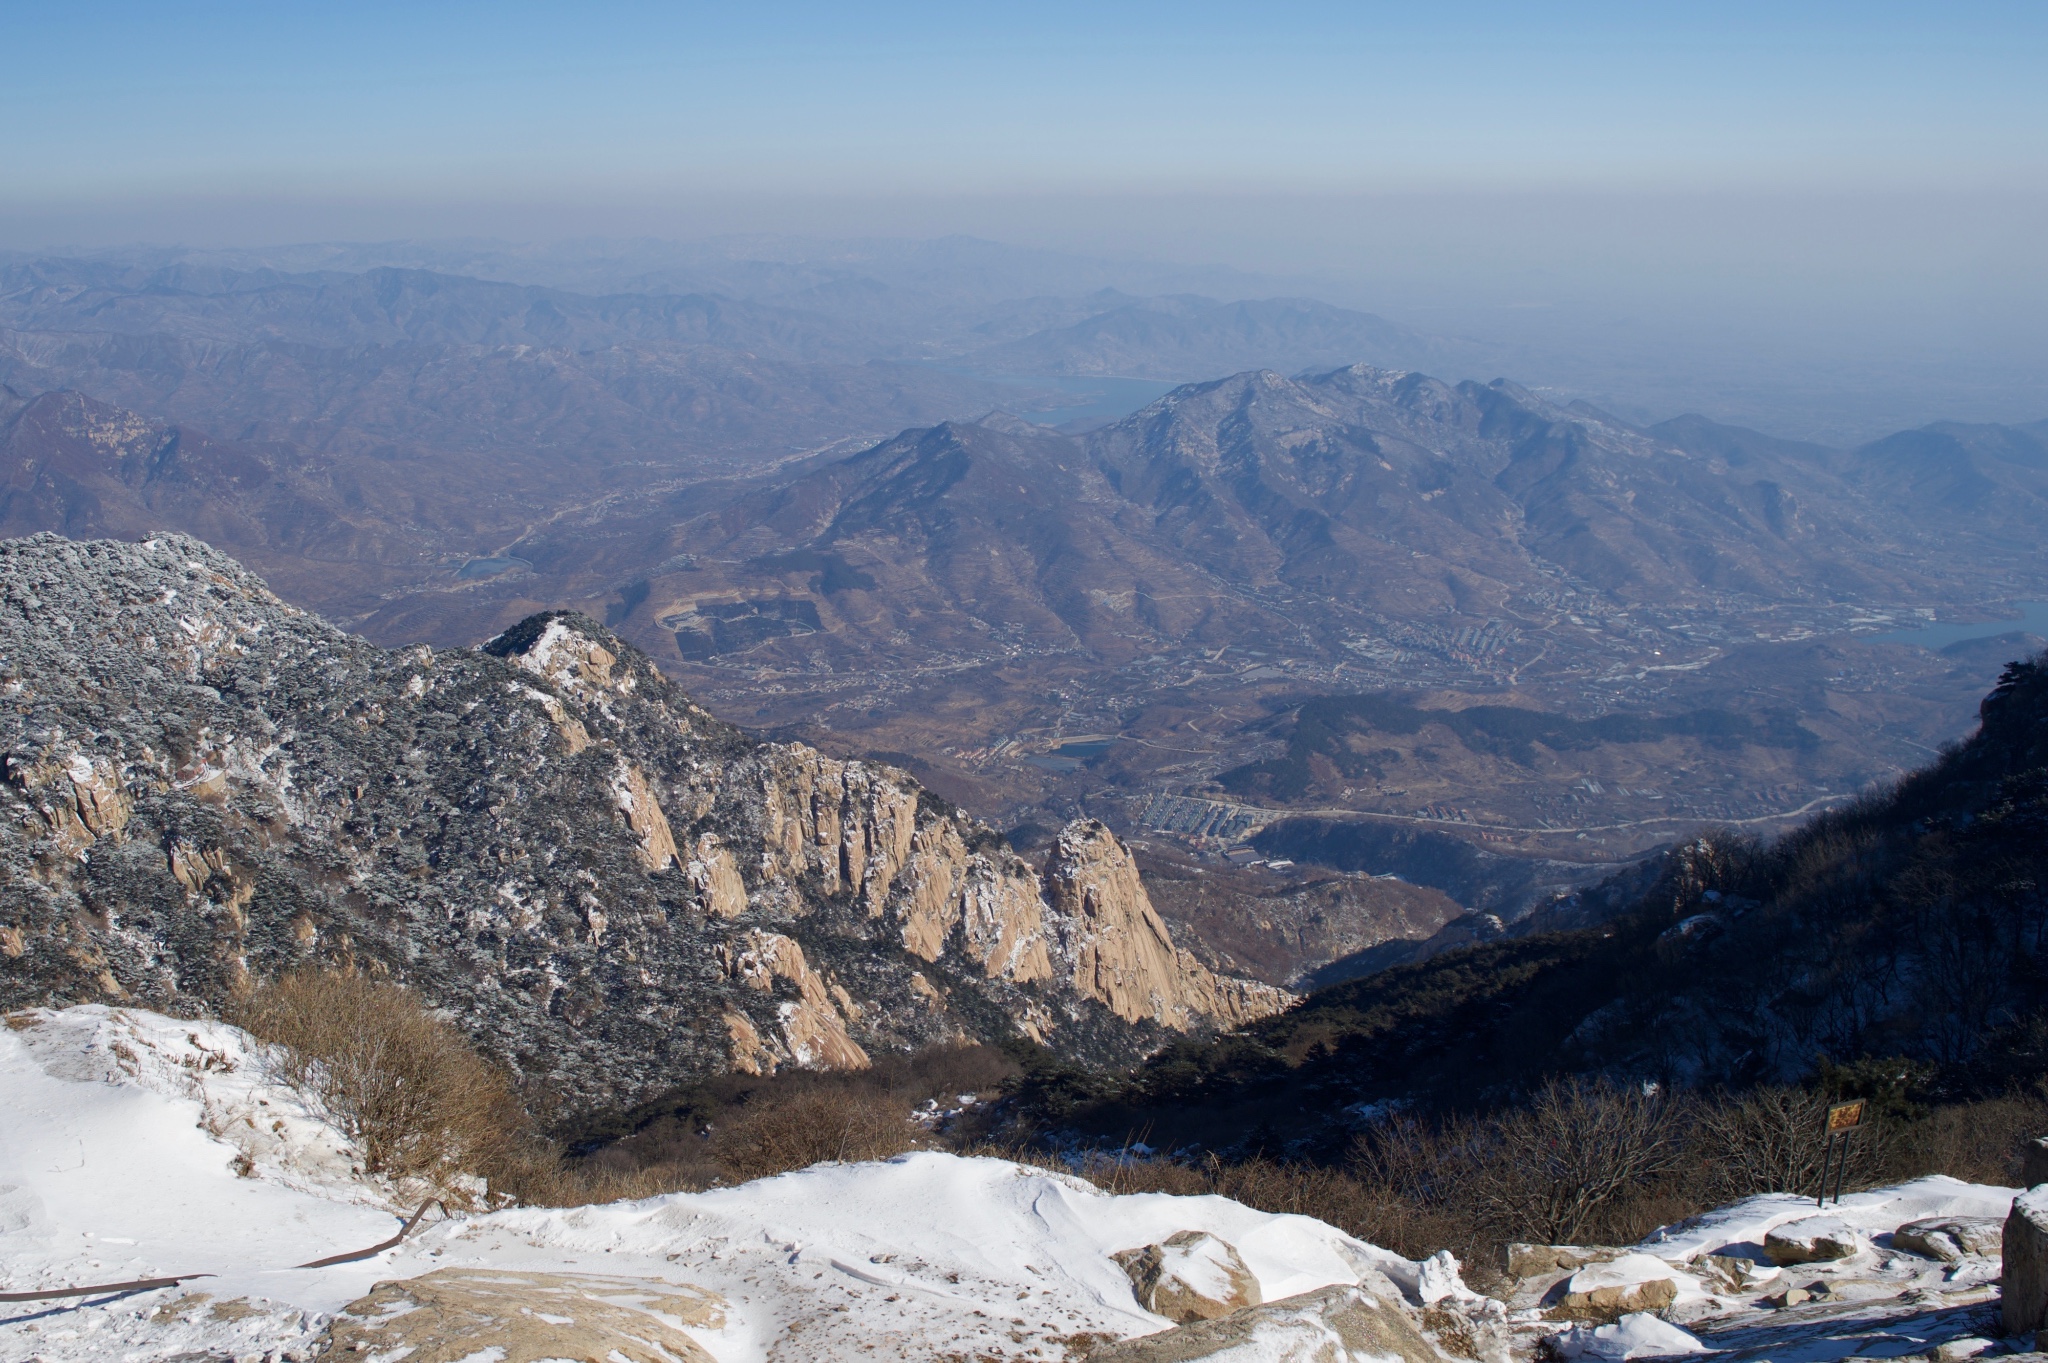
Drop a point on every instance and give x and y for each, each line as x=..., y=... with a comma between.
x=774, y=494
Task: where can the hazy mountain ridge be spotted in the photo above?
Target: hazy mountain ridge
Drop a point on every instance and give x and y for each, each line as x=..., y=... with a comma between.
x=1183, y=338
x=1258, y=497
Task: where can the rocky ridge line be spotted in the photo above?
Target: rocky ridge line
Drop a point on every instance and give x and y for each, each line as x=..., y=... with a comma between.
x=611, y=889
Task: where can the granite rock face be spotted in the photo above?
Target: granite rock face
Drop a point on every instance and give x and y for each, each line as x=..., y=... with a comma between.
x=612, y=890
x=2023, y=1302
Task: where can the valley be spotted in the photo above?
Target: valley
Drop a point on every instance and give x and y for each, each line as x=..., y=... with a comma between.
x=1573, y=639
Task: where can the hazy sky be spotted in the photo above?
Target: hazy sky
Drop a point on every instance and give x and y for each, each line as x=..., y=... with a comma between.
x=1865, y=174
x=127, y=101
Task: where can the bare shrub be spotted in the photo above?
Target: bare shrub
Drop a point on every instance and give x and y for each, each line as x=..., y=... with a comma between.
x=810, y=1126
x=1548, y=1169
x=1978, y=1141
x=401, y=1084
x=1772, y=1140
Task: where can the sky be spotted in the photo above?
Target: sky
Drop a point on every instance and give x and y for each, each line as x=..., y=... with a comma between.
x=523, y=102
x=1783, y=169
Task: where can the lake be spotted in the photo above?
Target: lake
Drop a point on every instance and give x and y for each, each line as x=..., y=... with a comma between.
x=2033, y=619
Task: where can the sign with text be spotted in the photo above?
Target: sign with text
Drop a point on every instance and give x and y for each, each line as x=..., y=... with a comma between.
x=1845, y=1117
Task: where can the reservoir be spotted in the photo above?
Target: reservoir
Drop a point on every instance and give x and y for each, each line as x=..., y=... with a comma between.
x=2033, y=619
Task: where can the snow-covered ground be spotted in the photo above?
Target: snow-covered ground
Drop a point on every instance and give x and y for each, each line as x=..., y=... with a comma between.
x=1880, y=1301
x=133, y=1146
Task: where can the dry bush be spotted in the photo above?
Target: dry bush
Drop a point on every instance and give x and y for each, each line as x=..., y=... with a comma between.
x=735, y=1127
x=1979, y=1141
x=810, y=1126
x=1770, y=1140
x=400, y=1083
x=1548, y=1169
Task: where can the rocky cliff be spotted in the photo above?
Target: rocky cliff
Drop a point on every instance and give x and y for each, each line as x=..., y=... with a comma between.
x=610, y=888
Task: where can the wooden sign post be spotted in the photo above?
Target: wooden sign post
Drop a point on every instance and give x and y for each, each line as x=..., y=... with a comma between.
x=1843, y=1119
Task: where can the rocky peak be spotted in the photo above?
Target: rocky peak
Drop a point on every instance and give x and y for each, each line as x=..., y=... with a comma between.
x=1121, y=950
x=613, y=890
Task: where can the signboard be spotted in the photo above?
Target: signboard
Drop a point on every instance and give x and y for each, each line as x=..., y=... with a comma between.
x=1845, y=1117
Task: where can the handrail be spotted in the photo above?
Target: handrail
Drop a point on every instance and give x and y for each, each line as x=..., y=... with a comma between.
x=146, y=1284
x=137, y=1285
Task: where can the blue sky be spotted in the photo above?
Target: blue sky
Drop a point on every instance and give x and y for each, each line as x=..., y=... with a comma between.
x=127, y=102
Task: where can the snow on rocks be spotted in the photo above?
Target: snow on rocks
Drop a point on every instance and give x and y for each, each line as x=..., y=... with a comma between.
x=1631, y=1283
x=1951, y=1238
x=1741, y=1227
x=1640, y=1335
x=1891, y=1295
x=1192, y=1275
x=1440, y=1278
x=1331, y=1325
x=1811, y=1240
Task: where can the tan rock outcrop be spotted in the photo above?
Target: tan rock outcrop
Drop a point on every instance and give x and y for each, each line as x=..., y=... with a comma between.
x=992, y=905
x=636, y=801
x=850, y=823
x=574, y=735
x=1341, y=1324
x=79, y=797
x=750, y=1054
x=1123, y=954
x=570, y=659
x=716, y=877
x=1191, y=1275
x=470, y=1313
x=813, y=1029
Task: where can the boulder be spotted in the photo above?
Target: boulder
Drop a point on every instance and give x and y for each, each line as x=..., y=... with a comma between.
x=1731, y=1272
x=465, y=1313
x=1441, y=1277
x=1636, y=1336
x=1949, y=1238
x=2034, y=1162
x=1192, y=1275
x=1609, y=1291
x=1533, y=1261
x=2024, y=1305
x=1341, y=1324
x=1811, y=1240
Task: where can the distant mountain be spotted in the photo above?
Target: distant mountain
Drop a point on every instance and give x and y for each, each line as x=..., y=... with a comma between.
x=1184, y=338
x=385, y=307
x=1983, y=481
x=1250, y=508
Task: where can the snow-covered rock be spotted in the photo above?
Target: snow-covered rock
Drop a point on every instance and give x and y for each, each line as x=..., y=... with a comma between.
x=1192, y=1275
x=1951, y=1238
x=1741, y=1227
x=1332, y=1325
x=1811, y=1240
x=1641, y=1335
x=1441, y=1277
x=1606, y=1291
